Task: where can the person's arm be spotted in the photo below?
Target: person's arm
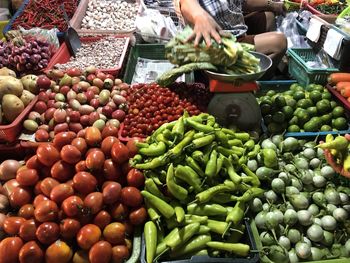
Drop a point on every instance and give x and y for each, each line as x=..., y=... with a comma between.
x=263, y=5
x=204, y=26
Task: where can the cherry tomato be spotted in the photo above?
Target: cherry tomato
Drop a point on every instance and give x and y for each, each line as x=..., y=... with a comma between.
x=111, y=192
x=101, y=252
x=119, y=211
x=102, y=219
x=114, y=233
x=26, y=211
x=81, y=166
x=94, y=201
x=63, y=138
x=61, y=192
x=9, y=186
x=119, y=153
x=132, y=147
x=58, y=252
x=27, y=231
x=48, y=232
x=80, y=144
x=10, y=247
x=46, y=210
x=93, y=136
x=72, y=206
x=27, y=177
x=88, y=235
x=107, y=143
x=120, y=254
x=37, y=190
x=70, y=154
x=31, y=252
x=33, y=163
x=69, y=228
x=84, y=182
x=81, y=256
x=138, y=216
x=47, y=154
x=62, y=171
x=109, y=130
x=95, y=160
x=47, y=185
x=131, y=196
x=12, y=224
x=38, y=199
x=111, y=170
x=135, y=178
x=20, y=196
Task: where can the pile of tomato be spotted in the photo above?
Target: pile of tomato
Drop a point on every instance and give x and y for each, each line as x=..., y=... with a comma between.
x=77, y=199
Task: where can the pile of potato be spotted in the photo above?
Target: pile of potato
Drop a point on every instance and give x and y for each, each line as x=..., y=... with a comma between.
x=15, y=94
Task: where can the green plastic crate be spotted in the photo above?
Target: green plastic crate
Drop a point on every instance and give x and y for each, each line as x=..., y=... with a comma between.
x=298, y=57
x=150, y=51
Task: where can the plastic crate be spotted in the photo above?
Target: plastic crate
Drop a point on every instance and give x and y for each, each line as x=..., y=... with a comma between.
x=63, y=55
x=9, y=133
x=304, y=74
x=328, y=17
x=150, y=51
x=252, y=258
x=339, y=97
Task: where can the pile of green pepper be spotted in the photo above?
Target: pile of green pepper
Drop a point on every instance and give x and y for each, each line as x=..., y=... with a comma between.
x=197, y=188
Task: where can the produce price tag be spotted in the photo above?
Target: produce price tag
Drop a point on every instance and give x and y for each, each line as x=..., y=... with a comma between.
x=27, y=137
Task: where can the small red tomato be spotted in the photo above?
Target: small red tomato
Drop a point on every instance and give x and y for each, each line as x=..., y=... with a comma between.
x=48, y=232
x=81, y=167
x=31, y=252
x=27, y=230
x=10, y=247
x=101, y=252
x=58, y=252
x=20, y=196
x=93, y=136
x=43, y=96
x=111, y=192
x=109, y=130
x=135, y=178
x=131, y=196
x=61, y=192
x=47, y=154
x=111, y=170
x=62, y=127
x=63, y=138
x=102, y=219
x=12, y=224
x=27, y=177
x=94, y=116
x=84, y=182
x=72, y=206
x=94, y=201
x=80, y=144
x=40, y=107
x=26, y=211
x=119, y=153
x=70, y=154
x=62, y=171
x=33, y=163
x=138, y=216
x=47, y=185
x=60, y=115
x=46, y=210
x=114, y=233
x=120, y=254
x=69, y=228
x=107, y=143
x=95, y=160
x=133, y=150
x=41, y=135
x=88, y=235
x=119, y=211
x=43, y=82
x=38, y=199
x=74, y=72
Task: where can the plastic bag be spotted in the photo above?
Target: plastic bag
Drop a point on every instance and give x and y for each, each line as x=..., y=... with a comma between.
x=49, y=36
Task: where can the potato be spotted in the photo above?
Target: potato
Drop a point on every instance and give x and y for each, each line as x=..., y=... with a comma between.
x=12, y=106
x=7, y=72
x=10, y=85
x=29, y=83
x=27, y=97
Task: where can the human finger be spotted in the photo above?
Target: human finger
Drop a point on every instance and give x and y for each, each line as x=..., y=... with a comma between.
x=190, y=37
x=207, y=39
x=197, y=39
x=216, y=36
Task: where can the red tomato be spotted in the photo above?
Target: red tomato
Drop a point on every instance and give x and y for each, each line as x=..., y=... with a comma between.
x=135, y=178
x=47, y=185
x=46, y=210
x=27, y=177
x=119, y=211
x=33, y=163
x=129, y=228
x=41, y=135
x=12, y=224
x=93, y=136
x=111, y=193
x=95, y=160
x=63, y=138
x=126, y=167
x=109, y=130
x=62, y=171
x=74, y=72
x=26, y=211
x=72, y=206
x=9, y=186
x=88, y=235
x=47, y=154
x=102, y=219
x=101, y=252
x=81, y=166
x=80, y=144
x=69, y=228
x=20, y=196
x=27, y=230
x=10, y=247
x=119, y=153
x=37, y=190
x=60, y=192
x=114, y=233
x=31, y=252
x=70, y=154
x=94, y=201
x=38, y=199
x=138, y=216
x=43, y=82
x=107, y=143
x=84, y=182
x=58, y=252
x=131, y=196
x=48, y=232
x=111, y=170
x=40, y=107
x=133, y=150
x=120, y=254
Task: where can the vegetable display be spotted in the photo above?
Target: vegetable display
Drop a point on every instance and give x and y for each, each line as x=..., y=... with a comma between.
x=197, y=188
x=331, y=9
x=298, y=110
x=230, y=57
x=341, y=82
x=76, y=198
x=303, y=215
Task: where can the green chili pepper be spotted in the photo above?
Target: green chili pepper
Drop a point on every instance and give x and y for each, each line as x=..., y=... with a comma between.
x=255, y=180
x=150, y=234
x=231, y=185
x=161, y=176
x=177, y=150
x=228, y=131
x=235, y=248
x=254, y=152
x=249, y=195
x=222, y=198
x=202, y=252
x=198, y=156
x=189, y=219
x=195, y=166
x=233, y=151
x=211, y=120
x=243, y=136
x=168, y=135
x=179, y=211
x=206, y=209
x=152, y=175
x=140, y=145
x=183, y=235
x=218, y=227
x=152, y=213
x=162, y=128
x=242, y=160
x=198, y=126
x=249, y=145
x=219, y=163
x=235, y=142
x=222, y=138
x=156, y=162
x=198, y=118
x=188, y=175
x=235, y=215
x=210, y=169
x=203, y=230
x=161, y=138
x=161, y=247
x=137, y=159
x=151, y=187
x=176, y=190
x=206, y=195
x=198, y=135
x=231, y=172
x=207, y=151
x=236, y=234
x=179, y=128
x=201, y=142
x=194, y=244
x=163, y=207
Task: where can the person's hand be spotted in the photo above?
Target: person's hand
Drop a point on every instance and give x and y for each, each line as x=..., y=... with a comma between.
x=278, y=8
x=205, y=27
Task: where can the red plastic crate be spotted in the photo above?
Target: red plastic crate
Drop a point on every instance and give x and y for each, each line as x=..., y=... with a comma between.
x=63, y=56
x=343, y=100
x=9, y=132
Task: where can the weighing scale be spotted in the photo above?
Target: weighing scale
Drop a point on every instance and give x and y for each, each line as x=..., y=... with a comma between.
x=234, y=103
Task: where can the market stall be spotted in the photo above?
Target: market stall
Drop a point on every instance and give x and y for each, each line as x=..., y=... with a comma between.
x=141, y=147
